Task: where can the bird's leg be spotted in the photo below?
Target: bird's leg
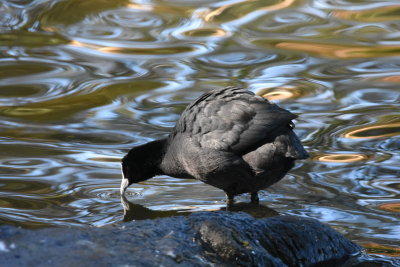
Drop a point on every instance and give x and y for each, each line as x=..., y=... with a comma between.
x=229, y=199
x=254, y=198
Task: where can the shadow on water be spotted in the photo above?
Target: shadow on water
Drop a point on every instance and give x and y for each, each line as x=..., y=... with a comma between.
x=134, y=211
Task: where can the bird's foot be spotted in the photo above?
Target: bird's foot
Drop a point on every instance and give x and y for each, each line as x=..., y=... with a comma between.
x=254, y=198
x=229, y=199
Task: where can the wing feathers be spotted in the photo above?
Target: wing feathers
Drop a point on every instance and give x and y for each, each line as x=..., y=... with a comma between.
x=233, y=119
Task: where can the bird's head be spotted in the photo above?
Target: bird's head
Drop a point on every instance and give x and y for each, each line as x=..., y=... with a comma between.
x=141, y=163
x=131, y=171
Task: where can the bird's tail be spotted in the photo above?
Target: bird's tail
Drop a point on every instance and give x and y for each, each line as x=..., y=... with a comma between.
x=294, y=147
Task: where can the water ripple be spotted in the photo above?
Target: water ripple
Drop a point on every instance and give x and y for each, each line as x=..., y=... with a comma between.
x=12, y=18
x=35, y=80
x=81, y=82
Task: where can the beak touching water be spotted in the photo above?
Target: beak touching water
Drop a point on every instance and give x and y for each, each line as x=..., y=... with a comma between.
x=124, y=183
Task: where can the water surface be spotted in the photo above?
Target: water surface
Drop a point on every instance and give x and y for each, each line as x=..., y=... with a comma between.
x=81, y=82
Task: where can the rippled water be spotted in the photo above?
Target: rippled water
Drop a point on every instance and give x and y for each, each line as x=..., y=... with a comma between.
x=83, y=81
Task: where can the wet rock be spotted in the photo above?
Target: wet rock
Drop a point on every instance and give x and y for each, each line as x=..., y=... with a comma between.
x=277, y=241
x=200, y=239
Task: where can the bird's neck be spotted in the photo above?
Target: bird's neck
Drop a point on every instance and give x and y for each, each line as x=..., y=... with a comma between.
x=152, y=156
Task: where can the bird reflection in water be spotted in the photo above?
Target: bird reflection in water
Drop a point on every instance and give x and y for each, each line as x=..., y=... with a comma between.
x=134, y=211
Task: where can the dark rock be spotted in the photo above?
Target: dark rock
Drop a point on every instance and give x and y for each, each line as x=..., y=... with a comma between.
x=276, y=241
x=200, y=239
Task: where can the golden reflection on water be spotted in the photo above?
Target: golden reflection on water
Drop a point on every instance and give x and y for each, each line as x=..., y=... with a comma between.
x=25, y=111
x=140, y=7
x=136, y=50
x=105, y=159
x=149, y=50
x=337, y=50
x=341, y=158
x=391, y=79
x=374, y=131
x=243, y=8
x=281, y=93
x=80, y=44
x=385, y=13
x=206, y=32
x=278, y=95
x=374, y=248
x=392, y=207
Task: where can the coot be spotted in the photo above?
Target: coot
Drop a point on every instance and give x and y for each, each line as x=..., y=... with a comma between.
x=228, y=138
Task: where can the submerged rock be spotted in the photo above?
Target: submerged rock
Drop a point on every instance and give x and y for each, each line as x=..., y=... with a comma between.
x=200, y=239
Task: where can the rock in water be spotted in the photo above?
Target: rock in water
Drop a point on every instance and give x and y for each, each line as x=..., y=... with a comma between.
x=200, y=239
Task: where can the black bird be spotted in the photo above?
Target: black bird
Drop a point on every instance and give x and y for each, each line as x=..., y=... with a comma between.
x=228, y=138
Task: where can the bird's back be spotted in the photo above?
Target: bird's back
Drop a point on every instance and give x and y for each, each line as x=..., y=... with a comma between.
x=230, y=132
x=233, y=119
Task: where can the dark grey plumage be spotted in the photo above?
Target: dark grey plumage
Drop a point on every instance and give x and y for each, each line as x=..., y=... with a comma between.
x=228, y=138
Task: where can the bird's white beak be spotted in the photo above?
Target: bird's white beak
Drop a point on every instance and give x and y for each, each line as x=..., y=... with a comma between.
x=124, y=185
